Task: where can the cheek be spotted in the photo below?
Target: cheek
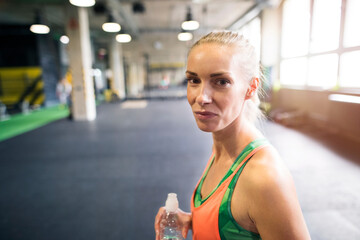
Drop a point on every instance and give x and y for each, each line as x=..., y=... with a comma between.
x=190, y=95
x=232, y=103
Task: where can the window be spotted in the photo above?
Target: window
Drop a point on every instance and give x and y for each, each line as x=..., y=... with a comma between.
x=293, y=71
x=326, y=25
x=252, y=31
x=323, y=58
x=349, y=69
x=296, y=27
x=323, y=71
x=352, y=20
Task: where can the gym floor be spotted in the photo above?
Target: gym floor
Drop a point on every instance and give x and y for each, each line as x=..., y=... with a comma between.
x=106, y=179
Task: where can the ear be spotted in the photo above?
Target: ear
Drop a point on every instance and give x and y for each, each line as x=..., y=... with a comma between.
x=254, y=84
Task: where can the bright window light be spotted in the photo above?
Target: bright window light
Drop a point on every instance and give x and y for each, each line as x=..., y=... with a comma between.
x=352, y=20
x=344, y=98
x=349, y=69
x=185, y=36
x=39, y=29
x=252, y=31
x=123, y=38
x=82, y=3
x=111, y=27
x=293, y=72
x=326, y=25
x=190, y=25
x=64, y=39
x=323, y=71
x=295, y=28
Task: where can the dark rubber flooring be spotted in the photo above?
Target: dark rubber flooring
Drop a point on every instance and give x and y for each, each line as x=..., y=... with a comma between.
x=106, y=179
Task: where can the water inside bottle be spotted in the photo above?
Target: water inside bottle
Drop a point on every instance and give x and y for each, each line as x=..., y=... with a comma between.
x=170, y=227
x=171, y=234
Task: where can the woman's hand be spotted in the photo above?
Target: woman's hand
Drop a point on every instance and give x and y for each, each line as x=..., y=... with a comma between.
x=184, y=219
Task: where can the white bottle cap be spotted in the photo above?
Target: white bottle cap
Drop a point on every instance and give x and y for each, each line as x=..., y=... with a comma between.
x=171, y=204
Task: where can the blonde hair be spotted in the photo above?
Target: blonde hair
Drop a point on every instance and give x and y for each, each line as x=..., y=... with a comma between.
x=249, y=64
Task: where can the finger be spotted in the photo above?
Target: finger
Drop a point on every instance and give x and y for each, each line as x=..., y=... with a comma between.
x=157, y=222
x=157, y=237
x=185, y=231
x=158, y=217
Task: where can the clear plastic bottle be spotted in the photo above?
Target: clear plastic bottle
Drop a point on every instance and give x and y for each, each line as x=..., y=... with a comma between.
x=170, y=227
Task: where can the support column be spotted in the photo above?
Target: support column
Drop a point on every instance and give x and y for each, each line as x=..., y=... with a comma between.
x=133, y=78
x=270, y=45
x=136, y=77
x=141, y=74
x=80, y=59
x=117, y=67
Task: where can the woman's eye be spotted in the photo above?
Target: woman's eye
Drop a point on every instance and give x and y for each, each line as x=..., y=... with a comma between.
x=222, y=82
x=193, y=81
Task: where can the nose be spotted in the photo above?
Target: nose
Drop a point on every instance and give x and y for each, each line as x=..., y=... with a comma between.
x=204, y=95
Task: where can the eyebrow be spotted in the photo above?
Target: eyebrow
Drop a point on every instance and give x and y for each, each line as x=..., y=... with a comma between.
x=211, y=75
x=218, y=74
x=191, y=73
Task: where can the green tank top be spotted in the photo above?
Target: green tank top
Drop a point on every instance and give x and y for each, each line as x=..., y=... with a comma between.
x=229, y=229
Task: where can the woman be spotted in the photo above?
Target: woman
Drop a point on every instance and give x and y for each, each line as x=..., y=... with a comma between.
x=245, y=192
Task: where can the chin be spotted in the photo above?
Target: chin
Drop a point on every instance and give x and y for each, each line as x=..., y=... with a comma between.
x=206, y=127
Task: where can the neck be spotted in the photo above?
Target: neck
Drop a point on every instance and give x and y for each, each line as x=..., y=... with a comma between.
x=229, y=142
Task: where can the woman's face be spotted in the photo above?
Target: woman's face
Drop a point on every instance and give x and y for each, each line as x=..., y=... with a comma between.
x=216, y=89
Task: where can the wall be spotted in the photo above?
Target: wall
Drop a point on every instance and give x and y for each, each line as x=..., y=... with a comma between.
x=318, y=109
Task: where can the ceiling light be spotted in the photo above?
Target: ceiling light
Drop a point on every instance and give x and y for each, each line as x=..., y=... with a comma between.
x=123, y=38
x=111, y=25
x=189, y=23
x=185, y=36
x=64, y=39
x=82, y=3
x=38, y=27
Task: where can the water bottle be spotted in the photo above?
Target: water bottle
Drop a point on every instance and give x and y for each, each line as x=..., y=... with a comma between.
x=170, y=227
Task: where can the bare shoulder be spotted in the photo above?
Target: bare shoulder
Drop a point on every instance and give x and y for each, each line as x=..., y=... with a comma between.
x=268, y=179
x=266, y=169
x=273, y=205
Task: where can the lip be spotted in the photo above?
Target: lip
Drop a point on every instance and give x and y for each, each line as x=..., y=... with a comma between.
x=204, y=115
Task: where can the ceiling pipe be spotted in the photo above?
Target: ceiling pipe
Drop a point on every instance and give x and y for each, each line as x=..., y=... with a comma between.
x=252, y=13
x=115, y=5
